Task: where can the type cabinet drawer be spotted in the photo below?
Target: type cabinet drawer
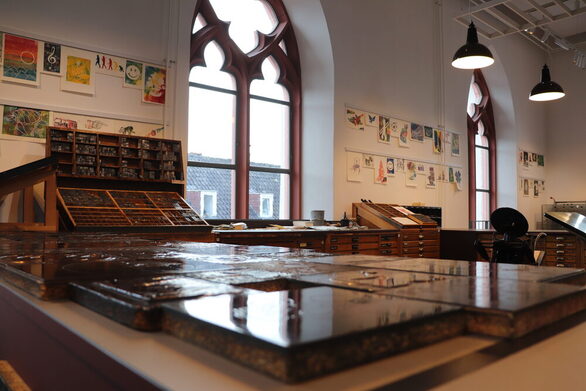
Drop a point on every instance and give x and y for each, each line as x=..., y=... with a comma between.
x=352, y=246
x=424, y=234
x=353, y=238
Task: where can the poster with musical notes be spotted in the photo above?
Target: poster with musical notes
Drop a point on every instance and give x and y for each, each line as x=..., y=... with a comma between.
x=52, y=58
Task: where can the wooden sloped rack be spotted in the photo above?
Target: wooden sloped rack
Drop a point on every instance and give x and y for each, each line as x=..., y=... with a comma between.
x=23, y=179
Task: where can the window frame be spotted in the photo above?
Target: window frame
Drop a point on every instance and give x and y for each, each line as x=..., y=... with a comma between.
x=214, y=195
x=245, y=67
x=270, y=197
x=483, y=113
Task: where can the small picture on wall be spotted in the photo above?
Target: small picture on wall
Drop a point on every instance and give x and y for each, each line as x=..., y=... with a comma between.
x=371, y=120
x=420, y=168
x=399, y=165
x=404, y=137
x=417, y=132
x=525, y=187
x=540, y=160
x=410, y=174
x=437, y=141
x=354, y=119
x=384, y=129
x=51, y=58
x=451, y=175
x=390, y=166
x=367, y=161
x=430, y=183
x=155, y=84
x=428, y=131
x=525, y=159
x=542, y=186
x=380, y=170
x=458, y=178
x=455, y=144
x=442, y=175
x=536, y=187
x=354, y=163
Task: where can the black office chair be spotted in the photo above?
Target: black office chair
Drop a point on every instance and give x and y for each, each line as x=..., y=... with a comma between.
x=510, y=249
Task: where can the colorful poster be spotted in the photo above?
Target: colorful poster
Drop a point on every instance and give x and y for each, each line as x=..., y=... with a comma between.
x=390, y=166
x=399, y=165
x=109, y=65
x=451, y=175
x=455, y=144
x=20, y=60
x=101, y=124
x=437, y=141
x=442, y=175
x=421, y=168
x=133, y=74
x=404, y=137
x=428, y=131
x=397, y=126
x=371, y=120
x=24, y=122
x=51, y=58
x=353, y=167
x=354, y=118
x=410, y=174
x=384, y=129
x=367, y=161
x=77, y=71
x=417, y=132
x=458, y=178
x=155, y=84
x=540, y=160
x=430, y=182
x=380, y=170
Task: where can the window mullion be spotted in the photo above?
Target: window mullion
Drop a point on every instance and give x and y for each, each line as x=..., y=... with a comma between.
x=242, y=152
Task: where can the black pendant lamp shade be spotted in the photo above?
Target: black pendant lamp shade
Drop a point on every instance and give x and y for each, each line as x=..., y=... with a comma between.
x=473, y=55
x=547, y=89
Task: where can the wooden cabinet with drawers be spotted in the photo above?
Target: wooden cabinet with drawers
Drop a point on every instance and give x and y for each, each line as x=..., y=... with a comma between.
x=562, y=250
x=363, y=242
x=420, y=242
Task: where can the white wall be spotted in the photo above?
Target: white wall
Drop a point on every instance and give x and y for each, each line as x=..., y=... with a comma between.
x=565, y=157
x=384, y=62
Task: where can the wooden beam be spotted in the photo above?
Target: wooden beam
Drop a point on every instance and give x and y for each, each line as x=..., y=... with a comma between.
x=522, y=14
x=564, y=7
x=541, y=9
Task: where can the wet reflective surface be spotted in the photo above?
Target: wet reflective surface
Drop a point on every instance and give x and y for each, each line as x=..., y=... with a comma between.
x=296, y=317
x=477, y=269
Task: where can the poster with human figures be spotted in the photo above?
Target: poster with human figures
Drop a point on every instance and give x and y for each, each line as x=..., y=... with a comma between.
x=353, y=166
x=20, y=60
x=109, y=65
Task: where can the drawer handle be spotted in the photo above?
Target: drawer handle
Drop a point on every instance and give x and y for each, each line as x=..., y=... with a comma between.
x=421, y=236
x=560, y=265
x=560, y=259
x=560, y=252
x=354, y=247
x=560, y=245
x=385, y=238
x=302, y=244
x=421, y=243
x=559, y=238
x=333, y=247
x=334, y=239
x=355, y=240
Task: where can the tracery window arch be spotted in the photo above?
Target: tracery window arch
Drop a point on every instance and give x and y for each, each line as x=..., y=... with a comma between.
x=244, y=138
x=481, y=152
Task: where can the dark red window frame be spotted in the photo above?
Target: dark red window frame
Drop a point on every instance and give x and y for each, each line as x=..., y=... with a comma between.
x=483, y=112
x=245, y=67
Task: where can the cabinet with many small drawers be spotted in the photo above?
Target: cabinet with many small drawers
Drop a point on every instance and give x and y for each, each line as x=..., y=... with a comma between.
x=380, y=243
x=562, y=250
x=420, y=242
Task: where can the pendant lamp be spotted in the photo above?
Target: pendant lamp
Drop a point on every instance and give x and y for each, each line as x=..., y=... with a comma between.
x=547, y=89
x=473, y=55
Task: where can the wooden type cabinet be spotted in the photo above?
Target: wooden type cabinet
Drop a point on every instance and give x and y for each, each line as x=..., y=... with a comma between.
x=363, y=242
x=562, y=250
x=420, y=242
x=296, y=239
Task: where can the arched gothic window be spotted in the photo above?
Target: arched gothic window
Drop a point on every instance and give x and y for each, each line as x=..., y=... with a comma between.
x=481, y=153
x=244, y=142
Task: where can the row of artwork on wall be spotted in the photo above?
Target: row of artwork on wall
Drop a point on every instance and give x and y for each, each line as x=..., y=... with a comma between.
x=531, y=159
x=24, y=59
x=33, y=123
x=385, y=167
x=531, y=187
x=404, y=131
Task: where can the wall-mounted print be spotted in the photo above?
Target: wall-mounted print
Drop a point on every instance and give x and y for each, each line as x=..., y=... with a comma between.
x=428, y=131
x=399, y=165
x=384, y=129
x=458, y=178
x=451, y=175
x=77, y=71
x=390, y=166
x=51, y=58
x=133, y=73
x=404, y=137
x=371, y=120
x=430, y=182
x=421, y=168
x=442, y=175
x=20, y=60
x=437, y=141
x=355, y=119
x=540, y=160
x=397, y=126
x=24, y=122
x=380, y=170
x=367, y=161
x=525, y=159
x=525, y=187
x=353, y=166
x=455, y=144
x=536, y=187
x=542, y=186
x=155, y=84
x=410, y=174
x=417, y=132
x=110, y=125
x=109, y=65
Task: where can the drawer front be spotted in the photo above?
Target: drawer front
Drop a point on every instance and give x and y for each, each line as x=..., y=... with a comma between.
x=558, y=264
x=420, y=235
x=420, y=243
x=389, y=251
x=389, y=237
x=561, y=244
x=568, y=258
x=344, y=239
x=387, y=245
x=421, y=250
x=352, y=247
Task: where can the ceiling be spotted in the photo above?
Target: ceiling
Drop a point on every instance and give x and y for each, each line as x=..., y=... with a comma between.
x=552, y=25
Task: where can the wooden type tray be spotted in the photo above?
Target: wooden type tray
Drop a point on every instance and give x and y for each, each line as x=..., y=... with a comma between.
x=167, y=200
x=182, y=216
x=131, y=199
x=146, y=217
x=98, y=217
x=86, y=198
x=136, y=302
x=281, y=333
